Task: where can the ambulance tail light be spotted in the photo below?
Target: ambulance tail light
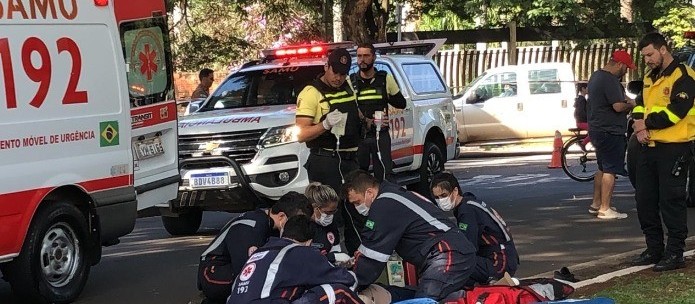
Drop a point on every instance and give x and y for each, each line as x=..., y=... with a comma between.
x=101, y=2
x=689, y=34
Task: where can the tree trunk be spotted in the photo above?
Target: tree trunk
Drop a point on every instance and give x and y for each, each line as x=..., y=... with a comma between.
x=626, y=10
x=382, y=18
x=354, y=20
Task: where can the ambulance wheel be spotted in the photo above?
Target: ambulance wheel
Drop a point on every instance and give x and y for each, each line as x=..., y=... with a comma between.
x=186, y=223
x=52, y=267
x=432, y=163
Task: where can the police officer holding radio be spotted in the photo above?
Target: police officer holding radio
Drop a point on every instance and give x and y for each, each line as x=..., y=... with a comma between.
x=375, y=91
x=329, y=123
x=664, y=126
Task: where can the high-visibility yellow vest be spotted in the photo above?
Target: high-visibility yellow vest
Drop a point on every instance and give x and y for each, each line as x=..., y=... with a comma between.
x=657, y=96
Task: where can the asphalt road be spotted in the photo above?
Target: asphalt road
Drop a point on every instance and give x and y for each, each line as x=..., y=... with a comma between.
x=546, y=211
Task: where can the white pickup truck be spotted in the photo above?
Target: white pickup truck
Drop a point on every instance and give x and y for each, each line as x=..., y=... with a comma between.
x=239, y=151
x=517, y=102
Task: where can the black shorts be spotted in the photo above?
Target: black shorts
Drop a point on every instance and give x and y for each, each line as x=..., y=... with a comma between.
x=610, y=151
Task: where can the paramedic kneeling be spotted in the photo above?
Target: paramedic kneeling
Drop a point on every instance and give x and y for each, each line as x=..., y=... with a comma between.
x=483, y=226
x=417, y=230
x=225, y=256
x=289, y=270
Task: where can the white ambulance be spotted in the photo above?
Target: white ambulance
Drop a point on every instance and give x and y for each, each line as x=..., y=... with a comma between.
x=87, y=135
x=239, y=151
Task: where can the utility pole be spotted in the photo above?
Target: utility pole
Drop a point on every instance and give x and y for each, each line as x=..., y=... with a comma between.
x=511, y=47
x=399, y=19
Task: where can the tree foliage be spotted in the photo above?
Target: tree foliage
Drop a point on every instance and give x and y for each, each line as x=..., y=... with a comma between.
x=220, y=33
x=675, y=22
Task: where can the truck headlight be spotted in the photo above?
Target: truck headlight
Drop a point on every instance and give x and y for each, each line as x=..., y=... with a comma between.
x=279, y=136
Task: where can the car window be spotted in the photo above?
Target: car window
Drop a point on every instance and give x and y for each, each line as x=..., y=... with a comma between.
x=545, y=81
x=424, y=78
x=497, y=85
x=274, y=86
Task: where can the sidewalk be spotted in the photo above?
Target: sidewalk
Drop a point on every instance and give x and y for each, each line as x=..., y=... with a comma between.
x=515, y=149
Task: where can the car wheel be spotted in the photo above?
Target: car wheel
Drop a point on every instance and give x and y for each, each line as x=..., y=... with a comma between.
x=186, y=223
x=432, y=163
x=52, y=267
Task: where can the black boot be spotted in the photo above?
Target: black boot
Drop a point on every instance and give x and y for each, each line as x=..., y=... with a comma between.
x=647, y=257
x=670, y=262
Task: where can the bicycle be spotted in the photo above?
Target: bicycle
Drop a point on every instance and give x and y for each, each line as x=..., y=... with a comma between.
x=579, y=159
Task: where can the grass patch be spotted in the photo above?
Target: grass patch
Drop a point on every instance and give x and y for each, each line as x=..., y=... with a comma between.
x=676, y=287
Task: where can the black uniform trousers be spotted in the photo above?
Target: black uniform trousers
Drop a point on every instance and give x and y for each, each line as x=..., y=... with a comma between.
x=367, y=153
x=318, y=295
x=660, y=196
x=444, y=272
x=326, y=167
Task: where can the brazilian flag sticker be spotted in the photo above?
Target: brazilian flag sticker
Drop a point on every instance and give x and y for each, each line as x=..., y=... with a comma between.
x=108, y=131
x=463, y=226
x=369, y=224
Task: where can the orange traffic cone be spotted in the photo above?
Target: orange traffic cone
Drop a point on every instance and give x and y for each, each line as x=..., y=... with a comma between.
x=555, y=161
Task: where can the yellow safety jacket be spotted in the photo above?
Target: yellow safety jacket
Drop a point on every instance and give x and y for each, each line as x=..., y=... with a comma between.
x=666, y=104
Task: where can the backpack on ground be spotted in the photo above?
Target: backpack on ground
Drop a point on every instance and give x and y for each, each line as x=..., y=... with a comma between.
x=528, y=291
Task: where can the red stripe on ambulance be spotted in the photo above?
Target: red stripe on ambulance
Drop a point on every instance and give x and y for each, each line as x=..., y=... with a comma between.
x=127, y=10
x=153, y=115
x=17, y=209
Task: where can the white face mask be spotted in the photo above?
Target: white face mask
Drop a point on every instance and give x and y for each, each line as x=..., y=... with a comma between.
x=325, y=219
x=362, y=209
x=446, y=203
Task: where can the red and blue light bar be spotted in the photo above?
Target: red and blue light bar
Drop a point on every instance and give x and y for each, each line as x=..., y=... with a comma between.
x=305, y=51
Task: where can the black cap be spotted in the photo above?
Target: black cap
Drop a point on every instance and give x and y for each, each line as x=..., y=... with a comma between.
x=340, y=60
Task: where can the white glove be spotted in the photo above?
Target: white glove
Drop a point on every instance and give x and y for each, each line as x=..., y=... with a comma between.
x=341, y=257
x=332, y=119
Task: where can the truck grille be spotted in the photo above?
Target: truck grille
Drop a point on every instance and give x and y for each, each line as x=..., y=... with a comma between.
x=239, y=146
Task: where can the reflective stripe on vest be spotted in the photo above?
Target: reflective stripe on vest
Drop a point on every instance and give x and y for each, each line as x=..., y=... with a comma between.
x=657, y=97
x=494, y=216
x=273, y=270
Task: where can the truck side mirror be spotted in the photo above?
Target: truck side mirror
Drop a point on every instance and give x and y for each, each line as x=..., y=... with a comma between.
x=635, y=87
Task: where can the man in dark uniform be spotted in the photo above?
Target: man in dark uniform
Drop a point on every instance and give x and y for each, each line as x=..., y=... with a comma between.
x=224, y=257
x=665, y=126
x=324, y=103
x=288, y=270
x=376, y=90
x=417, y=230
x=483, y=226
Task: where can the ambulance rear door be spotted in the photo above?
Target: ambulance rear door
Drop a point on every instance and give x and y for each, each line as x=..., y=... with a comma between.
x=153, y=108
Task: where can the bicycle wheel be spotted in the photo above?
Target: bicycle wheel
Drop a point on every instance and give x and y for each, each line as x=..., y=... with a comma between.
x=579, y=162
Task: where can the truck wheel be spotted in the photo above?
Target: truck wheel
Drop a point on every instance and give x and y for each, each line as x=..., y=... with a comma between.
x=52, y=267
x=432, y=163
x=186, y=223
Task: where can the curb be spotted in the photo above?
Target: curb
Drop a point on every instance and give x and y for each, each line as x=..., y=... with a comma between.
x=614, y=260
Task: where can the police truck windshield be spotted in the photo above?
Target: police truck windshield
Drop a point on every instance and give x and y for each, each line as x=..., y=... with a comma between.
x=272, y=86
